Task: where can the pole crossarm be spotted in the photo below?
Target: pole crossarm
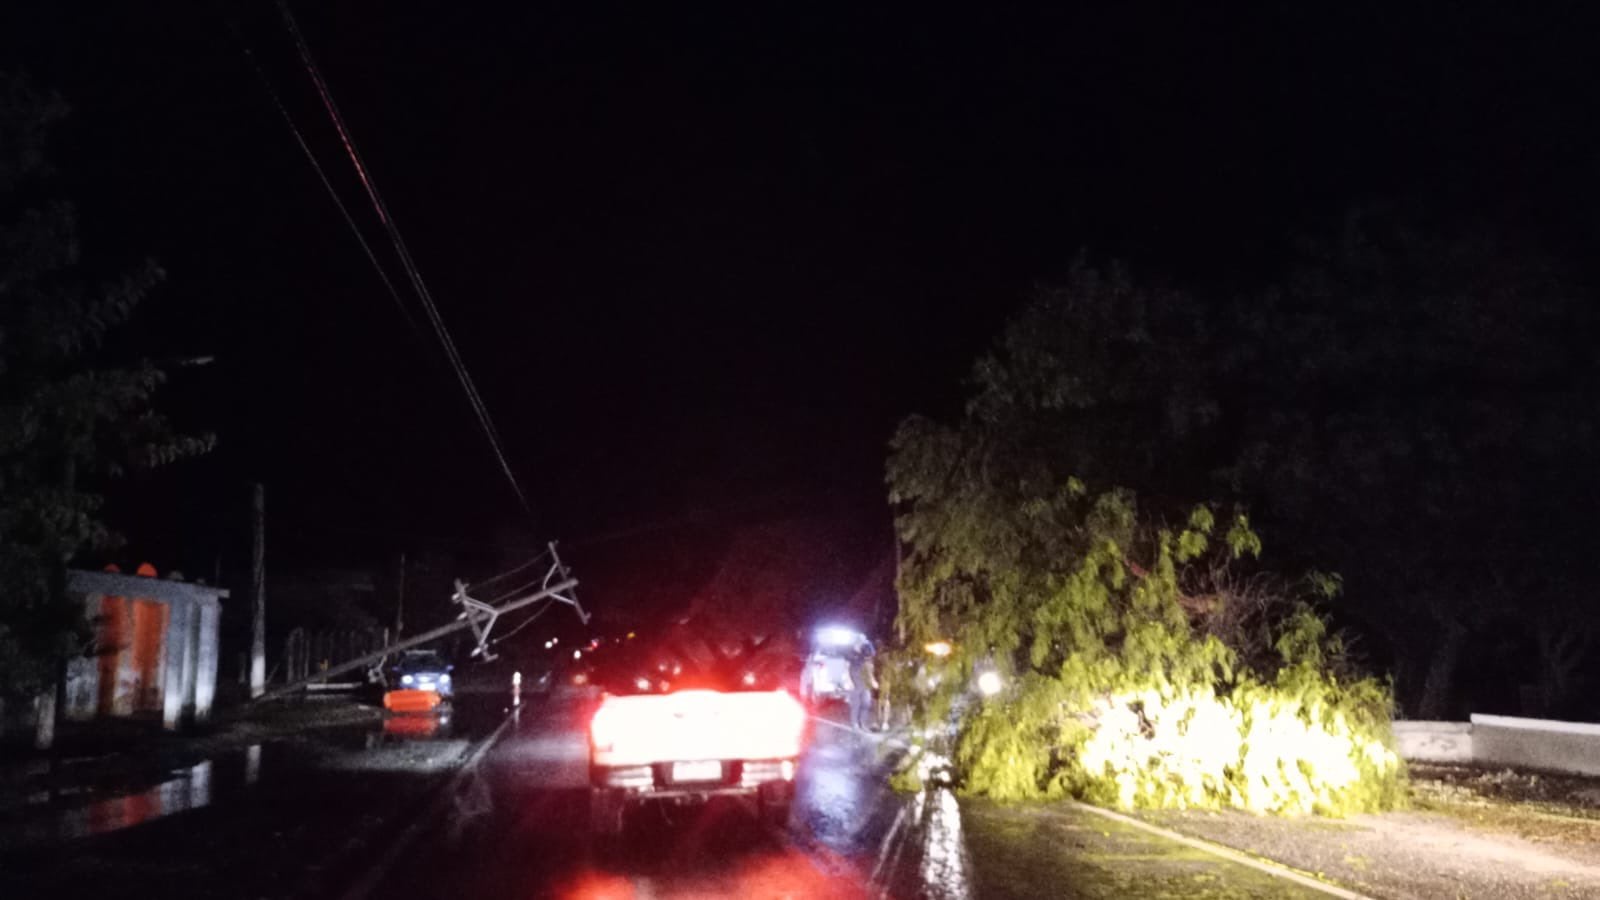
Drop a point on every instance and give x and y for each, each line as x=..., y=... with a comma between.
x=481, y=617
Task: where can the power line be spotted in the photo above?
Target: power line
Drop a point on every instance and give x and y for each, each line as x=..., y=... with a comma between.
x=318, y=520
x=327, y=184
x=404, y=254
x=512, y=571
x=507, y=595
x=523, y=624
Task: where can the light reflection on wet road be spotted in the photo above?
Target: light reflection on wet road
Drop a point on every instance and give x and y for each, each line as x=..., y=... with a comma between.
x=533, y=839
x=944, y=871
x=294, y=817
x=64, y=814
x=51, y=817
x=190, y=788
x=849, y=837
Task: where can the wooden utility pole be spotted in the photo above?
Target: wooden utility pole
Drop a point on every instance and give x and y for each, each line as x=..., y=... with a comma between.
x=258, y=594
x=400, y=598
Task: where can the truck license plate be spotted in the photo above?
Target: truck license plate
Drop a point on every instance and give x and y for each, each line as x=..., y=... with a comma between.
x=708, y=770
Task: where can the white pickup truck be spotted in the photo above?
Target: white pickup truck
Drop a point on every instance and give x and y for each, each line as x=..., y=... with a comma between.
x=668, y=729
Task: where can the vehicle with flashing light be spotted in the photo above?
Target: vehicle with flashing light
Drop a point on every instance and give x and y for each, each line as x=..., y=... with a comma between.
x=423, y=670
x=690, y=718
x=826, y=673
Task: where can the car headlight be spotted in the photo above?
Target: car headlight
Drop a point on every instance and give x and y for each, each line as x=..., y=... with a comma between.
x=444, y=679
x=406, y=679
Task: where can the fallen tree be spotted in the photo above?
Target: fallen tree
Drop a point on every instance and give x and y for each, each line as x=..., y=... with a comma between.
x=1136, y=671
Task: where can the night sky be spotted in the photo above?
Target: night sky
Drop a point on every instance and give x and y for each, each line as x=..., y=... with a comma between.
x=700, y=260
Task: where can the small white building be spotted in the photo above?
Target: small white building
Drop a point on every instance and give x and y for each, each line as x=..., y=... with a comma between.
x=156, y=648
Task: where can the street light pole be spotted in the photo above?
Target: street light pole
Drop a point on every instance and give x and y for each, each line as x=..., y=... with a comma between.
x=258, y=594
x=400, y=598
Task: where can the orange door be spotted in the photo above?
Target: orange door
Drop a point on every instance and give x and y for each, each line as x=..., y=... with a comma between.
x=115, y=645
x=149, y=644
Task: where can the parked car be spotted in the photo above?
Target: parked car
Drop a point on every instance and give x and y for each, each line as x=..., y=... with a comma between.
x=826, y=675
x=423, y=670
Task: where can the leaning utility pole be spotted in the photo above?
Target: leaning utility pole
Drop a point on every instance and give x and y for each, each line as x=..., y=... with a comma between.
x=475, y=614
x=258, y=594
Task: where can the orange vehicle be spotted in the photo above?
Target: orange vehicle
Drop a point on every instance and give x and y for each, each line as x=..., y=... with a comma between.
x=407, y=700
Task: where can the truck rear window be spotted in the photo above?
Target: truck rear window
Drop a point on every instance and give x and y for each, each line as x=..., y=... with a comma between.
x=682, y=659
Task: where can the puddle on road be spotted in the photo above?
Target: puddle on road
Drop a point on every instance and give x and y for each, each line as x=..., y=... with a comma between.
x=768, y=875
x=409, y=743
x=189, y=788
x=837, y=805
x=944, y=848
x=715, y=849
x=401, y=728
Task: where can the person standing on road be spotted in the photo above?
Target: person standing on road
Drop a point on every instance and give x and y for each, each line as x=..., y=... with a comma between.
x=864, y=679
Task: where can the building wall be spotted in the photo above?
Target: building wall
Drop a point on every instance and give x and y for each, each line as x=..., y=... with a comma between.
x=205, y=688
x=159, y=648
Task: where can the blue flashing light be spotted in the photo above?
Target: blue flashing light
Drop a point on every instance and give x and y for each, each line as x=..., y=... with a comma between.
x=839, y=636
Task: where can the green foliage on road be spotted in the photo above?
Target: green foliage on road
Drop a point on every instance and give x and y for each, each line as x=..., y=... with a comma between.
x=1141, y=666
x=66, y=424
x=1412, y=408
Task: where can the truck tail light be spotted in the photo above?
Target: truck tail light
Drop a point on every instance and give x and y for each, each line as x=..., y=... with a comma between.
x=782, y=717
x=609, y=724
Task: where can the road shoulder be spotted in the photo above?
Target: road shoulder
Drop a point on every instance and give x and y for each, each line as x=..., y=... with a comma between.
x=1421, y=854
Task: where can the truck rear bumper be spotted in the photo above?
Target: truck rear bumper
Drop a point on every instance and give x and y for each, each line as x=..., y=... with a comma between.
x=655, y=780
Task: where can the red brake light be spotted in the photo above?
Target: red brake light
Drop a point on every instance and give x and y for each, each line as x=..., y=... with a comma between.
x=613, y=725
x=603, y=727
x=783, y=716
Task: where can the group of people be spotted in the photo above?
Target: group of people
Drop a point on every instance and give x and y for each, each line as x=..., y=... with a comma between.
x=843, y=667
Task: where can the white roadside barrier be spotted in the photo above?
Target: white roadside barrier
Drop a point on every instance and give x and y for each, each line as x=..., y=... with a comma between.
x=1544, y=745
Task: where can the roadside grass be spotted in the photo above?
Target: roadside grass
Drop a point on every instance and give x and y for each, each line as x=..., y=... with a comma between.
x=1539, y=807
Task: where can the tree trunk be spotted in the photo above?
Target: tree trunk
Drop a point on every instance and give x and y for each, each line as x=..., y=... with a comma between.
x=1562, y=649
x=1438, y=688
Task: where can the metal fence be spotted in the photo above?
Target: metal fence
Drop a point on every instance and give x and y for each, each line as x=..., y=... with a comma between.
x=305, y=653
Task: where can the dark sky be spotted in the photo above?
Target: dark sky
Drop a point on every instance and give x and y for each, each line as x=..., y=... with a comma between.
x=700, y=260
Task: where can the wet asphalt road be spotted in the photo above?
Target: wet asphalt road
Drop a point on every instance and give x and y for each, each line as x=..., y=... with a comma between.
x=291, y=816
x=518, y=827
x=381, y=811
